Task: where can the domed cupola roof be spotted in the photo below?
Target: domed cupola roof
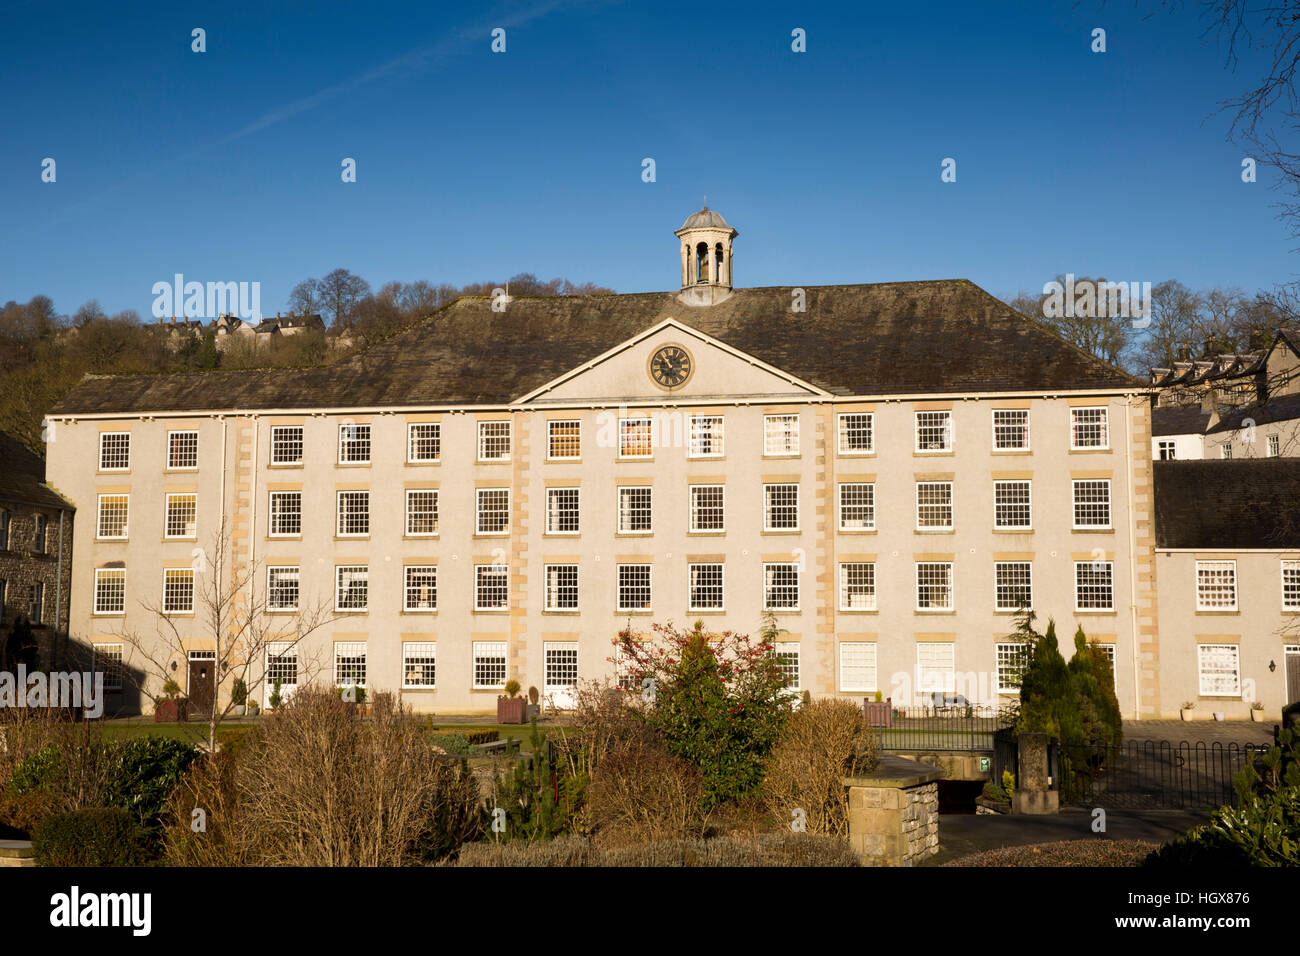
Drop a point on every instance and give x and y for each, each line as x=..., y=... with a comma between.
x=705, y=218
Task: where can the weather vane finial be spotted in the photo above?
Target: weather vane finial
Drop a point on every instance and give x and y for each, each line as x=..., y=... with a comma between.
x=706, y=199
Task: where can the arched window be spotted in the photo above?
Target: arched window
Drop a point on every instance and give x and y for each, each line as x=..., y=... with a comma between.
x=702, y=262
x=720, y=257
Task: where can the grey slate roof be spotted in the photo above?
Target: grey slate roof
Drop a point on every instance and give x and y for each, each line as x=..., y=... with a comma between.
x=1247, y=503
x=705, y=217
x=22, y=477
x=1281, y=409
x=1178, y=420
x=947, y=336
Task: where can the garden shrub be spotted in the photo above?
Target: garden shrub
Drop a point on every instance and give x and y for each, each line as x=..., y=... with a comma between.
x=482, y=736
x=719, y=701
x=317, y=786
x=96, y=836
x=455, y=744
x=824, y=742
x=765, y=850
x=1094, y=688
x=148, y=769
x=1074, y=703
x=540, y=796
x=642, y=794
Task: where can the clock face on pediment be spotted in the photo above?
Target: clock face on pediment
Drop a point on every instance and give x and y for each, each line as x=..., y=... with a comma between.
x=671, y=366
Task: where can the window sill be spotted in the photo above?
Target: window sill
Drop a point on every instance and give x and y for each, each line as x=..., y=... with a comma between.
x=562, y=612
x=426, y=536
x=706, y=534
x=855, y=454
x=352, y=537
x=858, y=531
x=786, y=456
x=1090, y=451
x=1092, y=530
x=418, y=611
x=633, y=534
x=1217, y=612
x=105, y=541
x=284, y=464
x=351, y=464
x=281, y=610
x=491, y=534
x=191, y=538
x=561, y=534
x=283, y=537
x=429, y=461
x=713, y=611
x=352, y=612
x=1011, y=451
x=781, y=531
x=1013, y=530
x=418, y=690
x=1095, y=613
x=491, y=610
x=564, y=461
x=858, y=610
x=935, y=612
x=932, y=454
x=641, y=613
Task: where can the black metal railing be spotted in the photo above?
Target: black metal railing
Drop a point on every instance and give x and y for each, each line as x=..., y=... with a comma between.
x=960, y=728
x=1151, y=775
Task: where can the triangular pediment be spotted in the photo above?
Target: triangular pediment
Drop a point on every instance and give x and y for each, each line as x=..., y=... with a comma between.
x=672, y=362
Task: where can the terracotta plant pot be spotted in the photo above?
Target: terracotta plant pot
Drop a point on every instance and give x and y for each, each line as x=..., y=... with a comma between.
x=1257, y=716
x=511, y=710
x=1186, y=714
x=879, y=713
x=171, y=711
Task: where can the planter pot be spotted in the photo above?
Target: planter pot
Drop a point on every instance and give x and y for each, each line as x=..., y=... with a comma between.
x=511, y=710
x=1257, y=716
x=239, y=710
x=532, y=710
x=1186, y=714
x=171, y=711
x=879, y=713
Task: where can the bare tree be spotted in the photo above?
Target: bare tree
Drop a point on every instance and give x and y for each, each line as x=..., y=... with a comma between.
x=230, y=605
x=340, y=291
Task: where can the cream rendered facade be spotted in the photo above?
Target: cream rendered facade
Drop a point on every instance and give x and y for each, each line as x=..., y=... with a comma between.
x=235, y=477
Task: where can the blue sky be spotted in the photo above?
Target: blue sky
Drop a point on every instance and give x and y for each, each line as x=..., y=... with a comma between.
x=225, y=165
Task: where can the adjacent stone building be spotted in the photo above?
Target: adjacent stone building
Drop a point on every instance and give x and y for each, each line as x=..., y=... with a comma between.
x=894, y=470
x=36, y=534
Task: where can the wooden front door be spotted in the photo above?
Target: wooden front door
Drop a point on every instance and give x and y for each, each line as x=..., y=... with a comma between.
x=203, y=682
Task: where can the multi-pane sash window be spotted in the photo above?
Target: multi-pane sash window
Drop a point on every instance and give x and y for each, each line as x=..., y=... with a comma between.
x=1219, y=670
x=1225, y=451
x=282, y=588
x=110, y=590
x=350, y=663
x=113, y=512
x=1216, y=585
x=353, y=587
x=708, y=507
x=634, y=587
x=491, y=587
x=108, y=661
x=281, y=664
x=857, y=586
x=635, y=438
x=1094, y=586
x=787, y=661
x=934, y=586
x=857, y=433
x=42, y=530
x=857, y=666
x=5, y=519
x=857, y=506
x=1167, y=450
x=494, y=441
x=114, y=451
x=563, y=510
x=422, y=511
x=489, y=663
x=1089, y=428
x=1012, y=507
x=182, y=512
x=1013, y=587
x=354, y=513
x=182, y=450
x=1011, y=661
x=423, y=441
x=564, y=440
x=624, y=670
x=1092, y=503
x=1108, y=651
x=286, y=513
x=354, y=443
x=934, y=431
x=493, y=510
x=1291, y=585
x=1011, y=429
x=781, y=586
x=419, y=664
x=420, y=586
x=561, y=664
x=36, y=603
x=1274, y=446
x=934, y=505
x=286, y=445
x=936, y=671
x=706, y=592
x=178, y=591
x=561, y=587
x=780, y=434
x=781, y=507
x=634, y=510
x=706, y=436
